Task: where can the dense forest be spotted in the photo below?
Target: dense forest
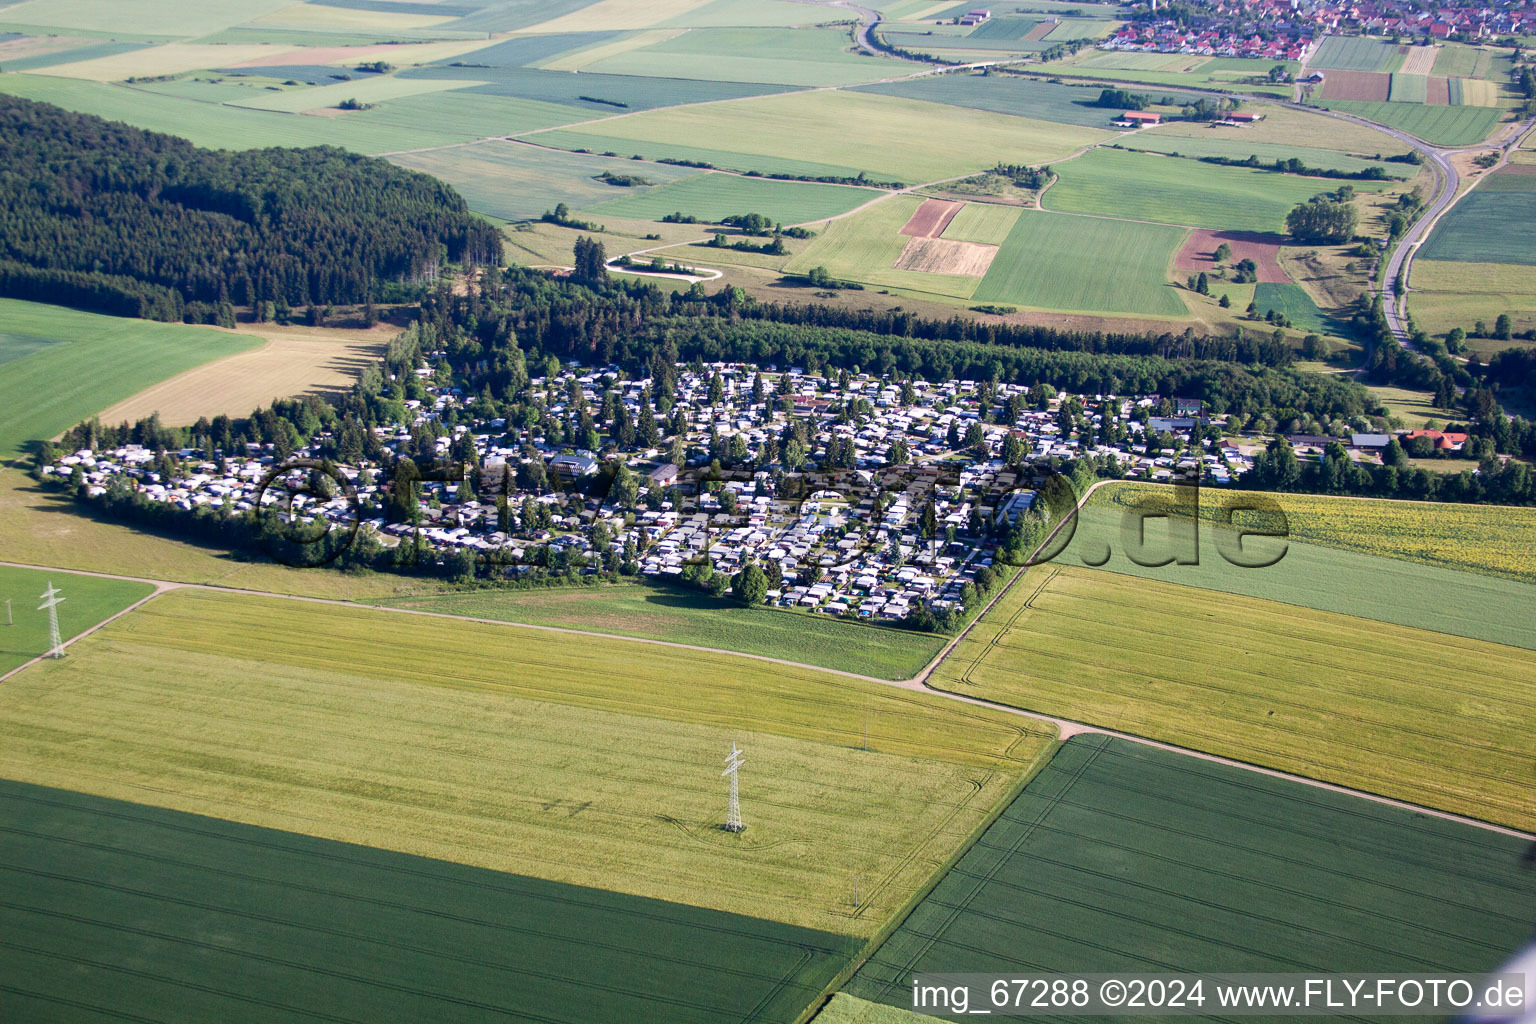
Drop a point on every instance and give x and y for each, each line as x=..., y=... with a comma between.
x=101, y=215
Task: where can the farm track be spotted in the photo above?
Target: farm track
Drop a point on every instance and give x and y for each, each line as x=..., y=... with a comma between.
x=1066, y=728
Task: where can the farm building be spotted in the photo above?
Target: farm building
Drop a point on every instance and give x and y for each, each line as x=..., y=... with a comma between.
x=1137, y=118
x=975, y=17
x=1442, y=441
x=1244, y=118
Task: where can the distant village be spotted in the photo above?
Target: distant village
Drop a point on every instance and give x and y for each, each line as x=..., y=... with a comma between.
x=859, y=496
x=1286, y=29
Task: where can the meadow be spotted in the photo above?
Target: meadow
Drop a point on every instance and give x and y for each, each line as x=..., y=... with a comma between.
x=1286, y=126
x=217, y=126
x=1118, y=857
x=689, y=617
x=1356, y=53
x=713, y=196
x=1407, y=713
x=455, y=740
x=864, y=247
x=1007, y=94
x=634, y=92
x=142, y=17
x=1242, y=149
x=252, y=924
x=87, y=600
x=1173, y=71
x=1440, y=126
x=1058, y=261
x=89, y=362
x=1145, y=186
x=1291, y=300
x=48, y=528
x=786, y=56
x=1390, y=568
x=1457, y=60
x=516, y=181
x=1454, y=293
x=1493, y=223
x=859, y=131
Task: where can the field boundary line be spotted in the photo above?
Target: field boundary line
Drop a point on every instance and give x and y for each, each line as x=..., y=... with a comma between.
x=160, y=586
x=1066, y=728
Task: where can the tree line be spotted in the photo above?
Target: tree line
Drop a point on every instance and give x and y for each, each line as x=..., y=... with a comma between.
x=121, y=220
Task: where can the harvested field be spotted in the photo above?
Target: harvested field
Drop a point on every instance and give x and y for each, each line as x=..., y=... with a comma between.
x=1117, y=857
x=1356, y=85
x=930, y=219
x=1420, y=60
x=1040, y=31
x=294, y=361
x=1199, y=253
x=1437, y=90
x=929, y=255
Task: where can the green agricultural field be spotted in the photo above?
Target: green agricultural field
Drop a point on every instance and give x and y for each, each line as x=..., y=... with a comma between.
x=217, y=126
x=1173, y=71
x=1440, y=126
x=1240, y=149
x=1401, y=575
x=1494, y=223
x=89, y=362
x=514, y=181
x=154, y=17
x=252, y=924
x=1291, y=300
x=1356, y=53
x=87, y=600
x=1007, y=94
x=842, y=129
x=562, y=87
x=1458, y=60
x=713, y=196
x=1080, y=28
x=1090, y=264
x=1145, y=186
x=727, y=13
x=808, y=56
x=662, y=613
x=865, y=246
x=986, y=223
x=1409, y=88
x=1407, y=713
x=1490, y=539
x=1122, y=858
x=368, y=90
x=1286, y=126
x=454, y=740
x=1455, y=293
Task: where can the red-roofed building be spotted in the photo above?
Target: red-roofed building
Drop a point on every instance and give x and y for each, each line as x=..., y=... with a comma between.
x=1443, y=442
